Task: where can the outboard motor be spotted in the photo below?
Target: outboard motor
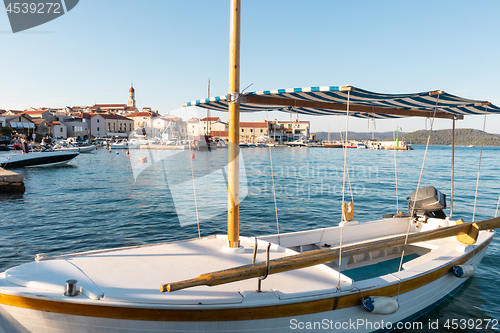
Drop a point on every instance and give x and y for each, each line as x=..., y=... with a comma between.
x=429, y=202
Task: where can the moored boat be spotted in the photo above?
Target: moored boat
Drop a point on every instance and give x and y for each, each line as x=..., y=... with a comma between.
x=36, y=159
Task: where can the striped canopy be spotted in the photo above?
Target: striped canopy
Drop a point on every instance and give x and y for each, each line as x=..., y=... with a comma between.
x=333, y=100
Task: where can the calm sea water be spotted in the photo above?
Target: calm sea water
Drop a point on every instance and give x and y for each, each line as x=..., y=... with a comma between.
x=102, y=200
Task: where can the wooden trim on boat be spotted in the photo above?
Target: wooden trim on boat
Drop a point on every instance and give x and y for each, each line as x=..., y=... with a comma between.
x=233, y=313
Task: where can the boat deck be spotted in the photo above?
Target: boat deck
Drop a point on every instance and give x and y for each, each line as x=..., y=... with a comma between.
x=134, y=275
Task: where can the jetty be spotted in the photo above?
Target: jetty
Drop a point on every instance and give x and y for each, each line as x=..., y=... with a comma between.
x=11, y=182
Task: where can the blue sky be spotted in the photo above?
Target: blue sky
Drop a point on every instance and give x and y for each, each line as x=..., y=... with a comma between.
x=169, y=50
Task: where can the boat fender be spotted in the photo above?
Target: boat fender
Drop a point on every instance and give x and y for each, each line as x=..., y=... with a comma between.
x=380, y=305
x=348, y=211
x=463, y=271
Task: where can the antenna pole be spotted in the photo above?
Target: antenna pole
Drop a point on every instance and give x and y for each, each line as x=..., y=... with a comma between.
x=233, y=211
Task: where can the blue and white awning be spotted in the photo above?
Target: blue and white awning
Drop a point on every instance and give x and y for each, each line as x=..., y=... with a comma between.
x=332, y=100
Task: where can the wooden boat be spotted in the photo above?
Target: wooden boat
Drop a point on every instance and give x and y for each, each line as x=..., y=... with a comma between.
x=361, y=276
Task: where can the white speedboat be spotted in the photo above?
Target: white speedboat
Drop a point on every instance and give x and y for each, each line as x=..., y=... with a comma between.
x=346, y=277
x=297, y=143
x=74, y=147
x=36, y=159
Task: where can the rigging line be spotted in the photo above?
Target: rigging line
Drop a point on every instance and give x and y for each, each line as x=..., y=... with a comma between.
x=274, y=188
x=343, y=187
x=194, y=187
x=479, y=168
x=419, y=180
x=395, y=168
x=347, y=171
x=416, y=194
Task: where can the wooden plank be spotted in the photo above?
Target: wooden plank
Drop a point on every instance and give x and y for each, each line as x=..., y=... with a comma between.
x=278, y=101
x=322, y=256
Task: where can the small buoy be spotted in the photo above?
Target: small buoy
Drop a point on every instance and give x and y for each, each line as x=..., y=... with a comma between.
x=380, y=305
x=144, y=159
x=127, y=152
x=463, y=271
x=117, y=153
x=192, y=156
x=110, y=151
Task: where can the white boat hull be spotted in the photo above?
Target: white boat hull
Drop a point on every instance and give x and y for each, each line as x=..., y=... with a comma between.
x=412, y=304
x=84, y=149
x=290, y=300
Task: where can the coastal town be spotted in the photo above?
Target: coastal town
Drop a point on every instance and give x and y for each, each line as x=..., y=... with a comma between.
x=119, y=120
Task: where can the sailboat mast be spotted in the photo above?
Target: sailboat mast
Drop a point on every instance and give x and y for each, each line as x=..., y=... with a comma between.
x=233, y=211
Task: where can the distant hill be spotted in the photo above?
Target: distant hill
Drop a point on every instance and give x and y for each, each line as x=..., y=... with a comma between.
x=357, y=135
x=463, y=137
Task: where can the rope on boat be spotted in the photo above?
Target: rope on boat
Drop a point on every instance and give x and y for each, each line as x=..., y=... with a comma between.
x=479, y=167
x=194, y=187
x=274, y=188
x=343, y=186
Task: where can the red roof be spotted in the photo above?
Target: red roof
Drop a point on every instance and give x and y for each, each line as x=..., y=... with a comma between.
x=140, y=114
x=35, y=111
x=253, y=124
x=110, y=116
x=131, y=89
x=132, y=108
x=210, y=119
x=38, y=121
x=108, y=106
x=83, y=115
x=219, y=133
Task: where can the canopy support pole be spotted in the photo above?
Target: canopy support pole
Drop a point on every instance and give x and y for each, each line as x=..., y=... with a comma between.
x=452, y=168
x=233, y=211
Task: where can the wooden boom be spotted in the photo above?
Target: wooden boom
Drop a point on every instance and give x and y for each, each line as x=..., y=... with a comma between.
x=322, y=256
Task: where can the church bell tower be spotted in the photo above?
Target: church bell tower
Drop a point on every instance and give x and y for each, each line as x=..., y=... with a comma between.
x=131, y=97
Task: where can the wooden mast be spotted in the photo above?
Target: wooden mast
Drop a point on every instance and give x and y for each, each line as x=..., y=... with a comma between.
x=233, y=209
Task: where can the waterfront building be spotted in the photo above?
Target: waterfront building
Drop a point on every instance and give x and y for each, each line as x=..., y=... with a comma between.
x=41, y=126
x=3, y=123
x=57, y=129
x=143, y=121
x=21, y=123
x=110, y=125
x=171, y=126
x=251, y=130
x=77, y=127
x=297, y=129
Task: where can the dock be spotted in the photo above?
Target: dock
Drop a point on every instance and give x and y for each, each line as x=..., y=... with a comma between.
x=11, y=182
x=165, y=147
